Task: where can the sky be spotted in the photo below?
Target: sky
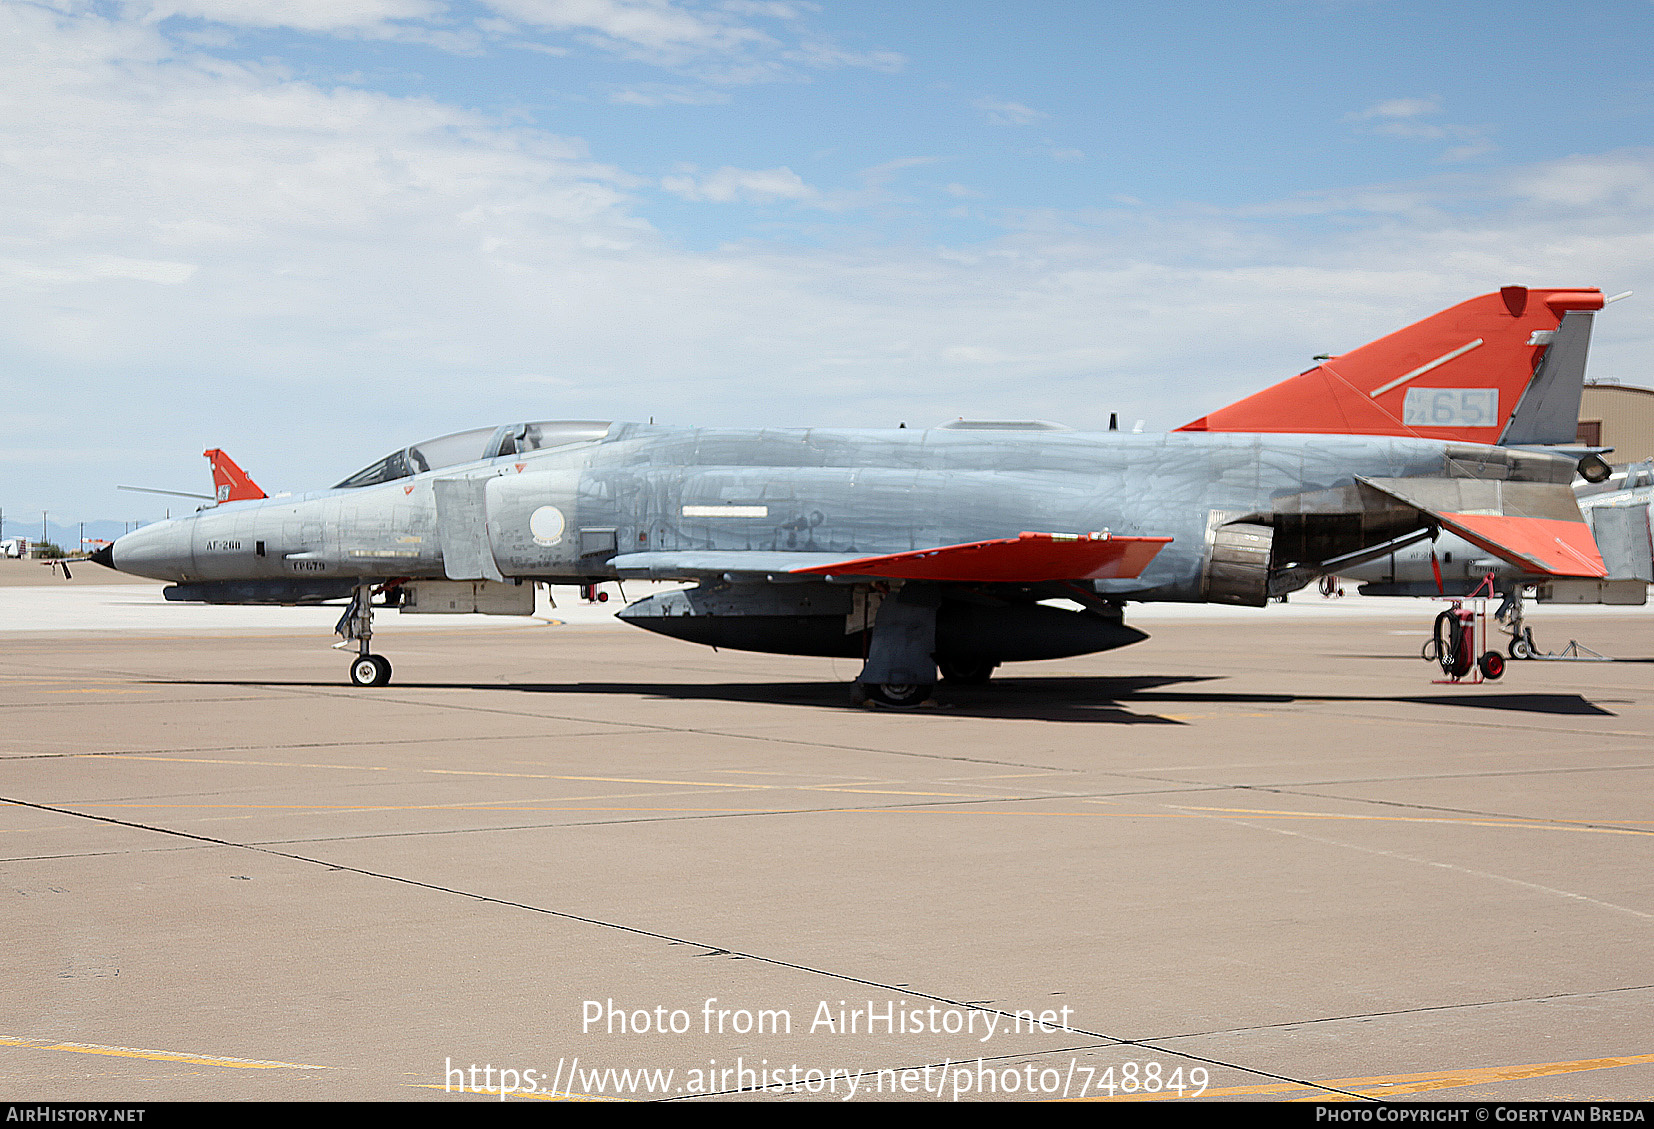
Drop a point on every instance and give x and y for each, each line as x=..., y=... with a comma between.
x=313, y=231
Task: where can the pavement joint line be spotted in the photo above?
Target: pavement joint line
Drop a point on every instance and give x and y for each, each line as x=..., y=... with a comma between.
x=1561, y=824
x=1513, y=823
x=652, y=934
x=1466, y=870
x=123, y=702
x=1353, y=1016
x=679, y=729
x=1474, y=817
x=1287, y=788
x=653, y=727
x=938, y=806
x=364, y=744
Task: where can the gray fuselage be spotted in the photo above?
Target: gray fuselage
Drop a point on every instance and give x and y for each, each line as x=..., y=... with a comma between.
x=564, y=513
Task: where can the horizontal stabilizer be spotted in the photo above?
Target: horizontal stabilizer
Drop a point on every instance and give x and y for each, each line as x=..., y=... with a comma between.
x=1539, y=544
x=1535, y=526
x=1028, y=558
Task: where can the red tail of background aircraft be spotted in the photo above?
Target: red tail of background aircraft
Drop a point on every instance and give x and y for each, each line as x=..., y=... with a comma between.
x=230, y=482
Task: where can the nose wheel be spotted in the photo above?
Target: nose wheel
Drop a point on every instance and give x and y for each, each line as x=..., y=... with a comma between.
x=370, y=670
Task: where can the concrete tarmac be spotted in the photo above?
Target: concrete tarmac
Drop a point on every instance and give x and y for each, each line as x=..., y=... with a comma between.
x=1260, y=856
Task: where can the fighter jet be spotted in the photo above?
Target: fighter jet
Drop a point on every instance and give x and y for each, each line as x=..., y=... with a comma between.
x=948, y=549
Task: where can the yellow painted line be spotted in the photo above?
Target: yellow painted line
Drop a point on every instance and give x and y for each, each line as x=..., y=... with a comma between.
x=445, y=771
x=541, y=1096
x=871, y=791
x=100, y=691
x=1394, y=1084
x=159, y=1056
x=397, y=807
x=552, y=776
x=256, y=764
x=1512, y=822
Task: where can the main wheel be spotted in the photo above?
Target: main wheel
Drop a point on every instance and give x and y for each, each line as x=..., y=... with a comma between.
x=966, y=673
x=370, y=670
x=898, y=695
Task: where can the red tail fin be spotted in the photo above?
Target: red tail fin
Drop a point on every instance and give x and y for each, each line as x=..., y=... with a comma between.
x=1456, y=375
x=230, y=482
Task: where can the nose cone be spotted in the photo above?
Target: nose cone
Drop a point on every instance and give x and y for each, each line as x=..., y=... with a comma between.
x=160, y=551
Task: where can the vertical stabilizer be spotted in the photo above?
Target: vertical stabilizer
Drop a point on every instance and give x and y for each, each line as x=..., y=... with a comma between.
x=1458, y=375
x=230, y=483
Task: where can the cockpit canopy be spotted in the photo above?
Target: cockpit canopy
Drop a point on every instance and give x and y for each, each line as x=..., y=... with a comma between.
x=473, y=446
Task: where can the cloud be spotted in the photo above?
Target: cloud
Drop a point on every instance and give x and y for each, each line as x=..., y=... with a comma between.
x=664, y=94
x=651, y=29
x=1399, y=108
x=717, y=43
x=203, y=252
x=882, y=174
x=720, y=44
x=730, y=184
x=327, y=16
x=1404, y=118
x=1008, y=113
x=770, y=9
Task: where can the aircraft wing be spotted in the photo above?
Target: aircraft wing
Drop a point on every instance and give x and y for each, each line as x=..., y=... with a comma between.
x=697, y=563
x=1028, y=558
x=1535, y=526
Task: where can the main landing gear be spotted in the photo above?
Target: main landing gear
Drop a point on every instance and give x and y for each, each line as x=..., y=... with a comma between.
x=900, y=671
x=896, y=695
x=965, y=672
x=356, y=625
x=1509, y=617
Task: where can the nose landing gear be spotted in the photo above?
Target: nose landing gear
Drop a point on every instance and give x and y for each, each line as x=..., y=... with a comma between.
x=356, y=625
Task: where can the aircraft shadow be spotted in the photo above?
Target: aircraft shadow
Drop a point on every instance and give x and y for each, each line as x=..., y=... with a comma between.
x=1113, y=700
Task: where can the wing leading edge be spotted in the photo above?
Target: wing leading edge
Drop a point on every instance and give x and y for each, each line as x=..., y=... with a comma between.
x=1028, y=558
